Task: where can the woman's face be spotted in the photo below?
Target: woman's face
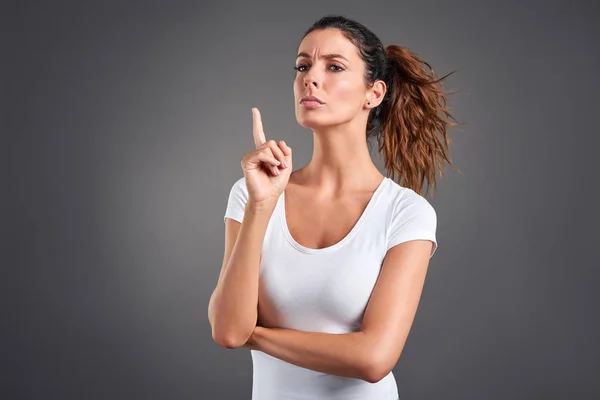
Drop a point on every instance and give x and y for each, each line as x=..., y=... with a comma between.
x=328, y=67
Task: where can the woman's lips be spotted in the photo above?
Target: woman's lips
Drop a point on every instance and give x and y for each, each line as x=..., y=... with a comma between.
x=311, y=104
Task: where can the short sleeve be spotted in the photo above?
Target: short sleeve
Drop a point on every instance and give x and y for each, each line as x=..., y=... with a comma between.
x=413, y=218
x=236, y=203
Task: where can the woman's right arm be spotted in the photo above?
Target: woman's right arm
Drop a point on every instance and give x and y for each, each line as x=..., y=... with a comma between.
x=233, y=306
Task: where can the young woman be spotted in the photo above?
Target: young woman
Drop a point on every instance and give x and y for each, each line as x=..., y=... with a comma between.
x=324, y=266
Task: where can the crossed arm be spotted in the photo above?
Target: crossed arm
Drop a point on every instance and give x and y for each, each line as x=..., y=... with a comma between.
x=371, y=353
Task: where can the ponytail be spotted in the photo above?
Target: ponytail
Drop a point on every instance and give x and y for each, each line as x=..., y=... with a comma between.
x=413, y=139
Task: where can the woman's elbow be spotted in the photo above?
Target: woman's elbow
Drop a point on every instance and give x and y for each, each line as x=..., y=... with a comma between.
x=375, y=374
x=228, y=342
x=227, y=333
x=231, y=338
x=375, y=368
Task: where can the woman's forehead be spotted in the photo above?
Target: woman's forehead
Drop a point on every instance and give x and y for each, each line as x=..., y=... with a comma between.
x=328, y=41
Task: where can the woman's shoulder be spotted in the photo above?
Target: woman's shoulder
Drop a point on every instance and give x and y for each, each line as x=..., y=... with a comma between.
x=403, y=198
x=236, y=202
x=239, y=187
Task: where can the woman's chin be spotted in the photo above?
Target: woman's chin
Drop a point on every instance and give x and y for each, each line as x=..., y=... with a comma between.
x=310, y=122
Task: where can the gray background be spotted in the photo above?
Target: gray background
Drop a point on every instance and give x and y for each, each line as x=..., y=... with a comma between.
x=123, y=129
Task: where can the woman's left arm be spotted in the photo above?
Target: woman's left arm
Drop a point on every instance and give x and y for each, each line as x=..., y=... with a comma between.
x=371, y=353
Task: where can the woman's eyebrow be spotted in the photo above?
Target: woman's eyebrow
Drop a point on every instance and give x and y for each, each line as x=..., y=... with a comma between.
x=328, y=56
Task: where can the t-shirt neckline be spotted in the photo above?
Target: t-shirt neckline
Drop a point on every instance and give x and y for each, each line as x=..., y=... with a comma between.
x=343, y=241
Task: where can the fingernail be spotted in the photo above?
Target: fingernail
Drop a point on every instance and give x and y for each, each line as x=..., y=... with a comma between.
x=284, y=164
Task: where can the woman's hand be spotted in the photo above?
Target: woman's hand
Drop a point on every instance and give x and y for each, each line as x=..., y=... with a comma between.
x=268, y=167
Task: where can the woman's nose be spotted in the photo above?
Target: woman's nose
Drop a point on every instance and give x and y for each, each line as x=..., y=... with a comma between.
x=311, y=81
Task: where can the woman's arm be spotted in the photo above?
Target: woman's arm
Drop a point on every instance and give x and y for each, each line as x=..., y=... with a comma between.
x=232, y=310
x=337, y=354
x=374, y=351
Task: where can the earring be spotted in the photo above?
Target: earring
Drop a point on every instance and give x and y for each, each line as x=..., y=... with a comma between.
x=368, y=103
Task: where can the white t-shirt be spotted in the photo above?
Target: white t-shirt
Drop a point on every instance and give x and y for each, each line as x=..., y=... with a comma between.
x=327, y=290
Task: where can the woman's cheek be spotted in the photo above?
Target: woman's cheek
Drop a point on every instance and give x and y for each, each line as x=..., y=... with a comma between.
x=345, y=90
x=346, y=99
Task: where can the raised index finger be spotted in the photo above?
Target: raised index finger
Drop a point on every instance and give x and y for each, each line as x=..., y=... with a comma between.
x=257, y=128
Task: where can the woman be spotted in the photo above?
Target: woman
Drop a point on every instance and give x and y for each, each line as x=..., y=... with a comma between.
x=324, y=266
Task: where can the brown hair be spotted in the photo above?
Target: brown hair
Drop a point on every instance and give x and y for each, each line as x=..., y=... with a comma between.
x=411, y=122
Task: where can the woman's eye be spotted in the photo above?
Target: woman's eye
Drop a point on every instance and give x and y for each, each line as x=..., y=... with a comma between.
x=300, y=68
x=332, y=67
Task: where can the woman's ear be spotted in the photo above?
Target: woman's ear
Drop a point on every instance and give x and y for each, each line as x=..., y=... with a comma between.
x=376, y=94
